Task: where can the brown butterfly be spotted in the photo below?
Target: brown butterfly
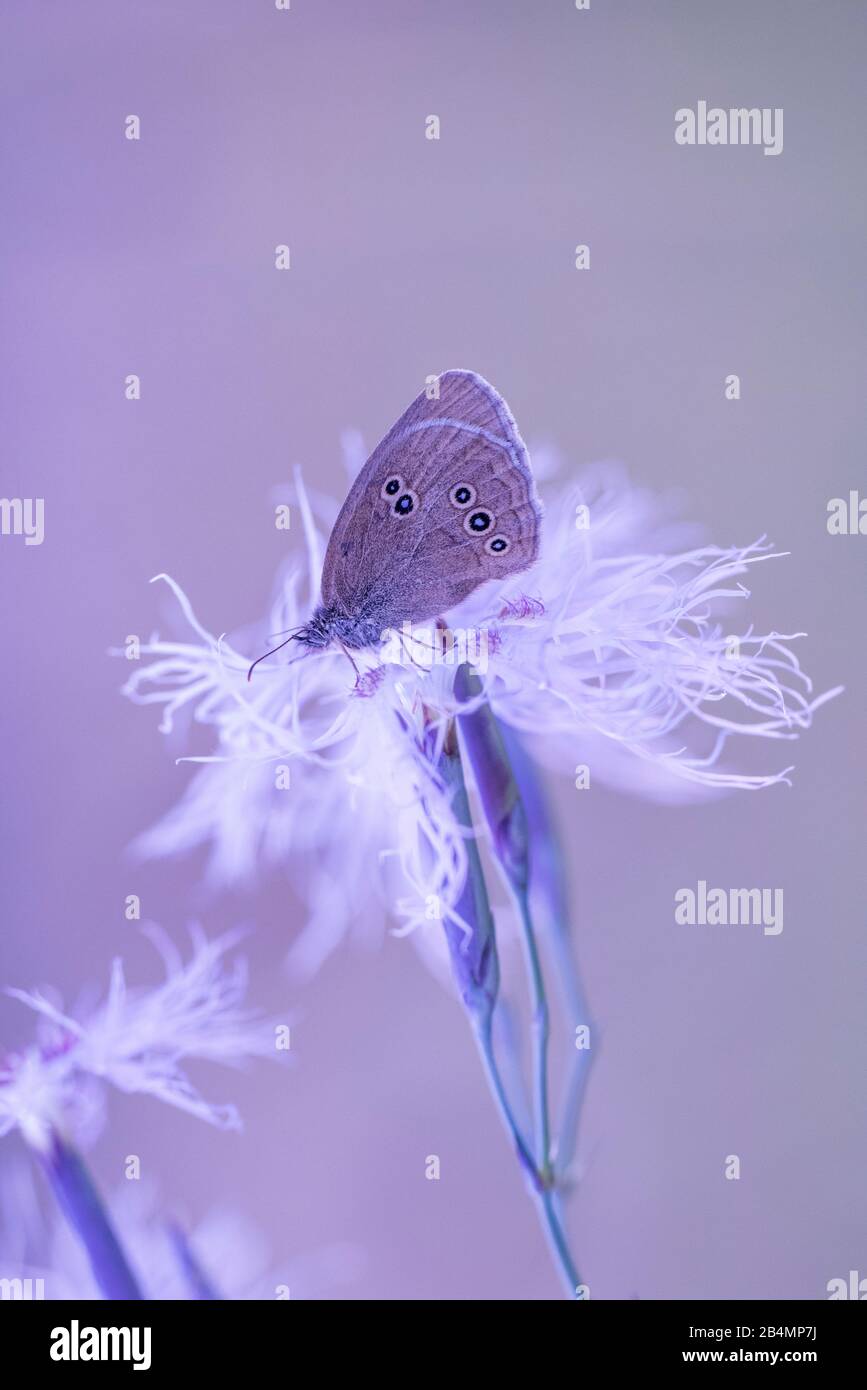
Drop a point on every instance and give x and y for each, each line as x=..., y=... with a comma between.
x=445, y=502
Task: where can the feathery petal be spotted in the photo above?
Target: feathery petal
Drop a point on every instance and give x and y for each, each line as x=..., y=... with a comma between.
x=136, y=1041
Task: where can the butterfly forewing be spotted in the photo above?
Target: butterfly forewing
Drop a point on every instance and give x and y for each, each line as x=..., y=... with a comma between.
x=445, y=502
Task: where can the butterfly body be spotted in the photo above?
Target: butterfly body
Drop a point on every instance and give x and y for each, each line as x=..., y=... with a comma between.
x=332, y=625
x=445, y=503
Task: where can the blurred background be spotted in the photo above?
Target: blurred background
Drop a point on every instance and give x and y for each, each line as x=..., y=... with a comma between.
x=408, y=256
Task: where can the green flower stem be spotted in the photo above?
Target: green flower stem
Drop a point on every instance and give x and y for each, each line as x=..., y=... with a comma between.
x=505, y=817
x=507, y=822
x=475, y=964
x=543, y=1196
x=576, y=1082
x=541, y=1030
x=200, y=1285
x=484, y=1041
x=83, y=1209
x=550, y=892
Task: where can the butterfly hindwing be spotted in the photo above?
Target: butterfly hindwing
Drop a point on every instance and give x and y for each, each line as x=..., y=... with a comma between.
x=445, y=502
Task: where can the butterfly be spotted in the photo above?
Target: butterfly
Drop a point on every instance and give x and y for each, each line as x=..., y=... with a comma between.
x=445, y=502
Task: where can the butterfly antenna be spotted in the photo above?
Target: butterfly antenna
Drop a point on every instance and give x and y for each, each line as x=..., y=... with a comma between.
x=270, y=653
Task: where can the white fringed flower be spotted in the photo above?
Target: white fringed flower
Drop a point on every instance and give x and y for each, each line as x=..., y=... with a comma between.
x=611, y=651
x=135, y=1040
x=607, y=640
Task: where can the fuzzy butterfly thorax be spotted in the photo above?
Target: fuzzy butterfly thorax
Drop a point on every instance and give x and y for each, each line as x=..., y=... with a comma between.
x=445, y=503
x=331, y=625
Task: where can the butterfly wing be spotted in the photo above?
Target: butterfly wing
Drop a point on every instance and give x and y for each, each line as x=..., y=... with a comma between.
x=445, y=502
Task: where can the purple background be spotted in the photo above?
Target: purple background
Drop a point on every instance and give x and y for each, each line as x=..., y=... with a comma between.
x=410, y=256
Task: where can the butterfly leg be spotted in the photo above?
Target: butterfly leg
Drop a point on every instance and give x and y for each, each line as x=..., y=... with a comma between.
x=346, y=653
x=418, y=664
